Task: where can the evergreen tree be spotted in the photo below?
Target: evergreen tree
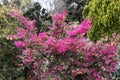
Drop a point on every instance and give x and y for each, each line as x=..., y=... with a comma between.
x=106, y=18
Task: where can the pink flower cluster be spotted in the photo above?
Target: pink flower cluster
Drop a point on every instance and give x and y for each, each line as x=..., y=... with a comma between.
x=59, y=17
x=99, y=59
x=66, y=44
x=24, y=21
x=64, y=54
x=82, y=28
x=20, y=44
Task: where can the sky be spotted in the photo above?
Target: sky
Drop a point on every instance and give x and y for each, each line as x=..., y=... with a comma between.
x=45, y=3
x=2, y=0
x=48, y=4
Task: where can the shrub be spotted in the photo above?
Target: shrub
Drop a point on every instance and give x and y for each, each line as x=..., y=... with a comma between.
x=9, y=69
x=106, y=19
x=75, y=9
x=63, y=53
x=7, y=23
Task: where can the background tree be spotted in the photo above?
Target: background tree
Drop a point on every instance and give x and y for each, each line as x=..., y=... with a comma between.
x=19, y=4
x=40, y=16
x=106, y=18
x=22, y=4
x=75, y=8
x=5, y=2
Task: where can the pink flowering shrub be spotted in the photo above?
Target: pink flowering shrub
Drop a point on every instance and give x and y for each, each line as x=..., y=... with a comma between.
x=82, y=28
x=64, y=54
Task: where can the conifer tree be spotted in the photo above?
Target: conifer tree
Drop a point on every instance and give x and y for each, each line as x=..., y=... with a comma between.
x=106, y=18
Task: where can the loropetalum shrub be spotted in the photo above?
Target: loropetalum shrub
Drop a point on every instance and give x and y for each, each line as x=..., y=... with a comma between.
x=63, y=53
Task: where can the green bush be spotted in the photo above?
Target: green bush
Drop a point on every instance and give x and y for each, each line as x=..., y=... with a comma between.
x=106, y=18
x=7, y=23
x=9, y=61
x=8, y=52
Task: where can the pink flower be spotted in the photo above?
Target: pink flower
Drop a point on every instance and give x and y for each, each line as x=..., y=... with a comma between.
x=42, y=35
x=104, y=51
x=27, y=60
x=29, y=25
x=35, y=65
x=50, y=42
x=112, y=48
x=82, y=43
x=25, y=21
x=19, y=65
x=26, y=52
x=72, y=43
x=21, y=32
x=20, y=44
x=49, y=45
x=59, y=18
x=15, y=14
x=11, y=37
x=82, y=28
x=61, y=46
x=55, y=78
x=38, y=39
x=35, y=39
x=71, y=33
x=86, y=24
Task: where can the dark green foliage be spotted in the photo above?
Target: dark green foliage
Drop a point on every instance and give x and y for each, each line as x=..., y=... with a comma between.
x=37, y=6
x=38, y=14
x=8, y=52
x=75, y=12
x=106, y=18
x=9, y=61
